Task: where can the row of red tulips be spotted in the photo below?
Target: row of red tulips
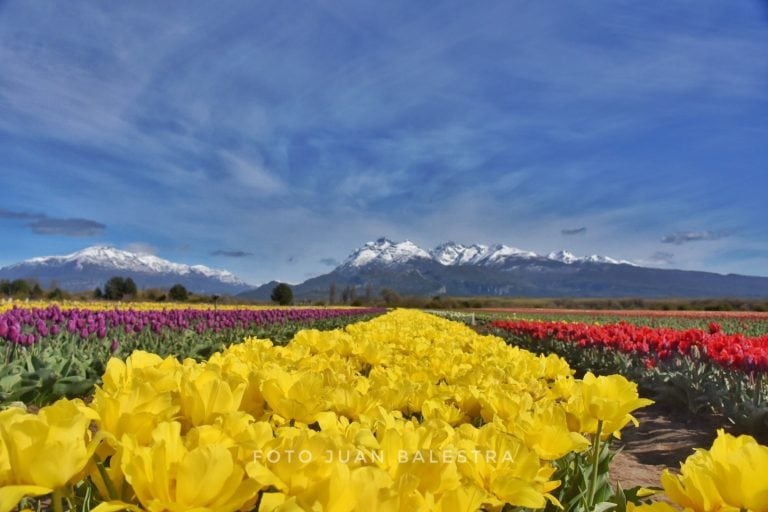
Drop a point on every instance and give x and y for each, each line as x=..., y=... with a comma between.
x=733, y=351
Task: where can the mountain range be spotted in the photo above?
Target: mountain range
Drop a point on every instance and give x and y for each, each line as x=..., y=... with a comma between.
x=93, y=266
x=500, y=270
x=449, y=269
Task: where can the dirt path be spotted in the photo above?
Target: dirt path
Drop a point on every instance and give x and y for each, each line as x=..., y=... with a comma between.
x=664, y=439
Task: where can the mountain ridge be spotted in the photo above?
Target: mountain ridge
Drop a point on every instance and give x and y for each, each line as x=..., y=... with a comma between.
x=91, y=267
x=385, y=251
x=500, y=270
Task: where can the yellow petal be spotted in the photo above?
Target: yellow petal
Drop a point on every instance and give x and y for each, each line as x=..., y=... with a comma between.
x=11, y=495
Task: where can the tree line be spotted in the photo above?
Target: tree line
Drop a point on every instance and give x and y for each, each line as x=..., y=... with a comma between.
x=116, y=288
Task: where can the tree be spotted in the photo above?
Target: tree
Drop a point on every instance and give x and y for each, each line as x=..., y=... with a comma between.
x=129, y=288
x=178, y=293
x=390, y=296
x=97, y=293
x=368, y=293
x=36, y=292
x=56, y=294
x=332, y=294
x=282, y=294
x=113, y=289
x=20, y=288
x=118, y=287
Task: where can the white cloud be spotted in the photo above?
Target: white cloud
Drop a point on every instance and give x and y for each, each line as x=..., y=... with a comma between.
x=251, y=174
x=141, y=248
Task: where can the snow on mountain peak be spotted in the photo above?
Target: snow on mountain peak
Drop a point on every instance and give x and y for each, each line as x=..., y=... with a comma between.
x=385, y=251
x=110, y=257
x=451, y=253
x=563, y=257
x=499, y=253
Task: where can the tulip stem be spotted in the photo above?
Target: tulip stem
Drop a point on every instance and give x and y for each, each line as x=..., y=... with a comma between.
x=595, y=462
x=58, y=497
x=105, y=478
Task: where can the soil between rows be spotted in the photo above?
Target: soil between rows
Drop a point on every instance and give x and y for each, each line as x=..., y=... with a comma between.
x=665, y=438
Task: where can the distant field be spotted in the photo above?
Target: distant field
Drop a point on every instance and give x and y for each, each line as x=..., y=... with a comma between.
x=749, y=323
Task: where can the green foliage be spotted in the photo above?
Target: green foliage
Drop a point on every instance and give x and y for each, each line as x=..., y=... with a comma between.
x=118, y=287
x=56, y=294
x=36, y=292
x=65, y=365
x=129, y=288
x=19, y=288
x=178, y=293
x=282, y=294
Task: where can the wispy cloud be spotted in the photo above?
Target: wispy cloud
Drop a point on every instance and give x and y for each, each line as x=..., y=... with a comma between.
x=44, y=225
x=663, y=257
x=231, y=254
x=329, y=262
x=574, y=231
x=141, y=248
x=252, y=175
x=684, y=237
x=67, y=227
x=7, y=214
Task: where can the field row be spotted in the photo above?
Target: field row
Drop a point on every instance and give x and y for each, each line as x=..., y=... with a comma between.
x=56, y=351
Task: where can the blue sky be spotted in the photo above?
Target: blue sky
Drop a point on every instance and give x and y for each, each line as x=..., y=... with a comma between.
x=272, y=138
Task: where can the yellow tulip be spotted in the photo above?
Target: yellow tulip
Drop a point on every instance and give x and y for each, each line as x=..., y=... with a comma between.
x=504, y=467
x=166, y=476
x=740, y=468
x=142, y=367
x=44, y=452
x=443, y=410
x=206, y=394
x=546, y=430
x=136, y=409
x=608, y=399
x=729, y=476
x=294, y=396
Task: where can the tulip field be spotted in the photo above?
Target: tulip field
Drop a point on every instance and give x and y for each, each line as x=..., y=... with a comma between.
x=705, y=368
x=402, y=411
x=51, y=351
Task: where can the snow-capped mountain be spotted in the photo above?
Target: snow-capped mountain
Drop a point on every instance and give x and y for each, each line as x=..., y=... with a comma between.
x=500, y=270
x=451, y=253
x=386, y=252
x=93, y=266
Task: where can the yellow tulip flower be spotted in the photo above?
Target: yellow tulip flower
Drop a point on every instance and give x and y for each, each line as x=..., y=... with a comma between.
x=294, y=396
x=205, y=394
x=608, y=399
x=504, y=467
x=142, y=367
x=135, y=409
x=44, y=452
x=545, y=429
x=166, y=476
x=728, y=477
